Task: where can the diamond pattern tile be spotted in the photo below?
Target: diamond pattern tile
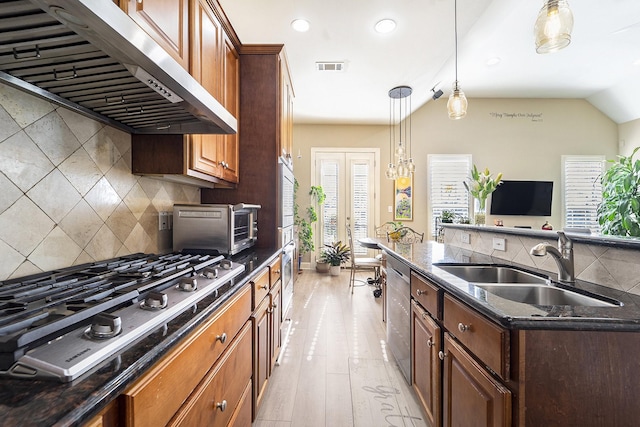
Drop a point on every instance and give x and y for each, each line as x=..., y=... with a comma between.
x=54, y=137
x=97, y=203
x=56, y=203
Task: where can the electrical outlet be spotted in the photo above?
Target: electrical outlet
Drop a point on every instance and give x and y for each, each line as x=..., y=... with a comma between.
x=164, y=221
x=465, y=238
x=390, y=209
x=499, y=244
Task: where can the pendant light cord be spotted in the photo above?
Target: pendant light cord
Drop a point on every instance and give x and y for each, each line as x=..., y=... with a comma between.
x=455, y=31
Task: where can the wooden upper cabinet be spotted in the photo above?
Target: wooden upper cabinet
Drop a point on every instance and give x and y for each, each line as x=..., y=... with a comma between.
x=286, y=110
x=214, y=63
x=166, y=21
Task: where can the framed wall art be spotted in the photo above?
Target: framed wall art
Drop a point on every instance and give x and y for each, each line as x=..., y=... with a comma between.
x=403, y=199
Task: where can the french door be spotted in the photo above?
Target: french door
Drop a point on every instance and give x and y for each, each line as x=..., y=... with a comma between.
x=350, y=180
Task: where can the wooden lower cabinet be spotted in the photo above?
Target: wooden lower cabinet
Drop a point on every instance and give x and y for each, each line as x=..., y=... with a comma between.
x=471, y=396
x=161, y=392
x=215, y=400
x=426, y=369
x=275, y=299
x=261, y=354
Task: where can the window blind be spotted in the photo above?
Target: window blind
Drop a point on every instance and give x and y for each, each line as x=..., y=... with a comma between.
x=582, y=191
x=447, y=172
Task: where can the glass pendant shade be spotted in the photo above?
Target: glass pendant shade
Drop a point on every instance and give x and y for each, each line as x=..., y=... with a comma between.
x=391, y=172
x=457, y=104
x=400, y=122
x=553, y=27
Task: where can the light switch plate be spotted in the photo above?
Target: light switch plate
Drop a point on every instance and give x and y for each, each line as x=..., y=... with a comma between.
x=499, y=244
x=465, y=238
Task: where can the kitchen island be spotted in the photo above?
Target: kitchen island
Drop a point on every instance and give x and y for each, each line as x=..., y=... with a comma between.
x=48, y=403
x=478, y=356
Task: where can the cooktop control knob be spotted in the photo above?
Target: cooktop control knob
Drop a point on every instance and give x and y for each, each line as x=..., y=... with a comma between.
x=225, y=264
x=210, y=273
x=155, y=301
x=103, y=326
x=188, y=284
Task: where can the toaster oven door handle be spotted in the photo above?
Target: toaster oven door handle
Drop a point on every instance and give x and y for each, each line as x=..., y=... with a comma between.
x=241, y=206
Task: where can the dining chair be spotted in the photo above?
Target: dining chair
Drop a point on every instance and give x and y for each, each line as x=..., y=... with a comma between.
x=361, y=263
x=382, y=230
x=405, y=235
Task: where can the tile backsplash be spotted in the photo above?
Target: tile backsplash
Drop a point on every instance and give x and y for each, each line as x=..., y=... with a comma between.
x=613, y=267
x=67, y=195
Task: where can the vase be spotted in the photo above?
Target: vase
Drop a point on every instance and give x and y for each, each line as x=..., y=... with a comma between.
x=480, y=215
x=335, y=270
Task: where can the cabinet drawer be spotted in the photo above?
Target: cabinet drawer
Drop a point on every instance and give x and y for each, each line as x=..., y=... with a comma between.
x=426, y=294
x=488, y=341
x=260, y=285
x=156, y=397
x=275, y=271
x=215, y=401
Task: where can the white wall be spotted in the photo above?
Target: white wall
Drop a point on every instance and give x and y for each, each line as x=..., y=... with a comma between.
x=522, y=138
x=629, y=137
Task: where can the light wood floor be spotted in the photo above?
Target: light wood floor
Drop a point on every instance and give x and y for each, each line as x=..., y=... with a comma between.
x=336, y=369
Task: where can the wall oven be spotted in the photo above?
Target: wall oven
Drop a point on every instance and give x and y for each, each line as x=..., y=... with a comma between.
x=227, y=229
x=286, y=182
x=288, y=254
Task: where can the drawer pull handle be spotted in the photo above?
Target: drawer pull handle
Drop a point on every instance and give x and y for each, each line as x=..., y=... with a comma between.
x=442, y=355
x=430, y=343
x=221, y=405
x=420, y=292
x=222, y=338
x=274, y=305
x=264, y=286
x=463, y=328
x=277, y=272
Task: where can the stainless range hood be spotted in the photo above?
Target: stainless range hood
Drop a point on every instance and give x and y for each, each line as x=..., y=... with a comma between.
x=89, y=56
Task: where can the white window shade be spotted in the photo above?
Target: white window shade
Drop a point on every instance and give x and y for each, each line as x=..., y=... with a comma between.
x=447, y=173
x=582, y=191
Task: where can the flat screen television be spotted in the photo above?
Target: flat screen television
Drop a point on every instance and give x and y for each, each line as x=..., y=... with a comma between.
x=531, y=198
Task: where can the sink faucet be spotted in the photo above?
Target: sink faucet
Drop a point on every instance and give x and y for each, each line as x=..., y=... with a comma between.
x=563, y=256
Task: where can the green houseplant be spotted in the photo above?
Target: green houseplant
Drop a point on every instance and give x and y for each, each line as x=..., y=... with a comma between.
x=480, y=185
x=447, y=216
x=304, y=222
x=335, y=254
x=619, y=211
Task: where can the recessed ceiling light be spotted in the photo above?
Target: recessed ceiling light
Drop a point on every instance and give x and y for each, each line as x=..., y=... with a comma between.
x=636, y=62
x=300, y=25
x=493, y=61
x=385, y=25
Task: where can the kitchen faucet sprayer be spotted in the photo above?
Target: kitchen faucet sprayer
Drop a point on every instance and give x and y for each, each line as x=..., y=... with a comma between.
x=563, y=256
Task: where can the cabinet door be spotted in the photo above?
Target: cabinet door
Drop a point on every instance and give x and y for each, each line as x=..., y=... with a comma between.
x=206, y=68
x=167, y=22
x=276, y=322
x=471, y=397
x=286, y=111
x=228, y=144
x=427, y=367
x=261, y=353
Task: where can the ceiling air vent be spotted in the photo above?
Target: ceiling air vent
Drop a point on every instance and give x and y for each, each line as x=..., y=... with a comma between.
x=330, y=66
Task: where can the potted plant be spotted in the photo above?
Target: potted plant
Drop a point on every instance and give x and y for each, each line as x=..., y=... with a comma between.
x=480, y=185
x=304, y=221
x=335, y=254
x=397, y=233
x=447, y=216
x=619, y=211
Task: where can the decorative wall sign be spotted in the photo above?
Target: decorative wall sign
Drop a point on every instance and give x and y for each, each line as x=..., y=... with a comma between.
x=403, y=199
x=534, y=117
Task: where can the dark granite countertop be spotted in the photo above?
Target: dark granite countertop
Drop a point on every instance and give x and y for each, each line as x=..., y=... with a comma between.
x=422, y=258
x=45, y=403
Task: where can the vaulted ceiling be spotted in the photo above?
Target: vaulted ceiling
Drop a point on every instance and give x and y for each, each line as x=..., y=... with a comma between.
x=602, y=63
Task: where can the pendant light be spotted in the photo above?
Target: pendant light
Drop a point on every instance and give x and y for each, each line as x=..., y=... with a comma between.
x=400, y=101
x=457, y=104
x=553, y=27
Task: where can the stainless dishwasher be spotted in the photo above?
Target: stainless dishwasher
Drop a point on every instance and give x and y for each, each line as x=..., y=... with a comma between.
x=399, y=313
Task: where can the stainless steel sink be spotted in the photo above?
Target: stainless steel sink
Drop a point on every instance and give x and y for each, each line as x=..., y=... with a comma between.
x=544, y=295
x=492, y=274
